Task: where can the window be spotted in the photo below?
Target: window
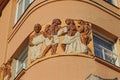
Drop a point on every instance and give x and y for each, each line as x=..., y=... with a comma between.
x=21, y=7
x=96, y=77
x=114, y=2
x=104, y=48
x=110, y=1
x=21, y=61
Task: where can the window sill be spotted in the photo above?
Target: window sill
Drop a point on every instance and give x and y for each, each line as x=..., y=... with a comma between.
x=116, y=68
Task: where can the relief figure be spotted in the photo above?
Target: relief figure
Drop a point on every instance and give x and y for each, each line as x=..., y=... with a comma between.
x=35, y=42
x=7, y=70
x=71, y=42
x=85, y=30
x=52, y=39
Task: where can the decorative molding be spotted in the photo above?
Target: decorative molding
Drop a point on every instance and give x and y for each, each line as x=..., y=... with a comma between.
x=106, y=9
x=57, y=55
x=37, y=6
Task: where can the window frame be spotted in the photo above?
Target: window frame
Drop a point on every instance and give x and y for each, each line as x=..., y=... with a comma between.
x=113, y=3
x=24, y=54
x=23, y=9
x=105, y=38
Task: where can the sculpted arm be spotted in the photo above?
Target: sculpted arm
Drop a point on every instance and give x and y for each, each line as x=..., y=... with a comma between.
x=45, y=33
x=62, y=31
x=30, y=40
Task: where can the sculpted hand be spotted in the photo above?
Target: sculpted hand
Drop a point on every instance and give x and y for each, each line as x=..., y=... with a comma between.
x=50, y=37
x=31, y=45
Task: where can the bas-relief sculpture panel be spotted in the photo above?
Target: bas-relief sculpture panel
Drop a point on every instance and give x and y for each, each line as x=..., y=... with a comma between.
x=76, y=33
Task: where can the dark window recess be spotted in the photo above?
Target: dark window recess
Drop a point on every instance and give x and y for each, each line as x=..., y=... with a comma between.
x=110, y=1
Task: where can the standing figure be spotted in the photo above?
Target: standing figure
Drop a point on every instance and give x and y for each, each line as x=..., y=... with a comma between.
x=71, y=42
x=35, y=42
x=64, y=31
x=7, y=72
x=2, y=71
x=85, y=36
x=52, y=39
x=70, y=30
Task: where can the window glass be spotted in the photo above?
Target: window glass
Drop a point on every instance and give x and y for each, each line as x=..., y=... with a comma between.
x=110, y=1
x=22, y=61
x=103, y=49
x=102, y=43
x=27, y=2
x=114, y=2
x=20, y=9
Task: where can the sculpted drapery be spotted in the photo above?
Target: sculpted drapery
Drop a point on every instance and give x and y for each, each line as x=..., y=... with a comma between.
x=76, y=33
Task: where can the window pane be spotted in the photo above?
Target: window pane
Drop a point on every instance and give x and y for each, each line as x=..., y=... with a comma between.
x=102, y=48
x=102, y=43
x=27, y=2
x=98, y=51
x=22, y=60
x=20, y=7
x=110, y=1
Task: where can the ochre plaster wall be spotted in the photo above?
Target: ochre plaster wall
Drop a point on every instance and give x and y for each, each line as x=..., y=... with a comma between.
x=68, y=68
x=61, y=9
x=59, y=67
x=4, y=25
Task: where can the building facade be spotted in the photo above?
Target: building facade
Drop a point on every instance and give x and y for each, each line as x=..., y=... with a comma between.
x=92, y=39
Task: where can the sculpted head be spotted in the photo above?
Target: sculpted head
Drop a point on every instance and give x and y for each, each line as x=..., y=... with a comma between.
x=81, y=22
x=88, y=24
x=68, y=21
x=56, y=21
x=72, y=22
x=37, y=28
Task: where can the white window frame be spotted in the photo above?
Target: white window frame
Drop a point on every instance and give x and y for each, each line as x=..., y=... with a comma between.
x=115, y=2
x=23, y=9
x=114, y=52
